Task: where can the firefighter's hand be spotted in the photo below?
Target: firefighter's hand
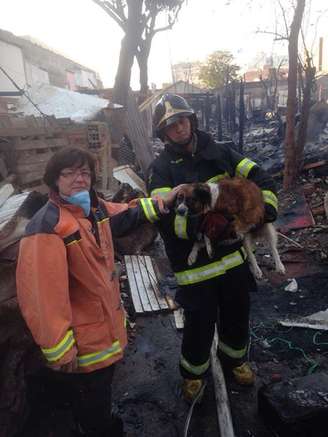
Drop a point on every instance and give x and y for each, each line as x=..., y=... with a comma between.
x=69, y=366
x=169, y=199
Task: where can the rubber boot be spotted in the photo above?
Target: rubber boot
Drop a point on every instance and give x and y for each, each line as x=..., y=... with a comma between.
x=244, y=375
x=191, y=388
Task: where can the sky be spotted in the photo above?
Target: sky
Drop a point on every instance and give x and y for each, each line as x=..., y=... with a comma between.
x=82, y=31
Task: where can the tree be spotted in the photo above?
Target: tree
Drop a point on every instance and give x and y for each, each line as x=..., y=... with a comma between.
x=152, y=9
x=291, y=158
x=219, y=71
x=137, y=19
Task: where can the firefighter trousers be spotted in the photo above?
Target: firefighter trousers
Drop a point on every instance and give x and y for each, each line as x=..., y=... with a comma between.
x=223, y=302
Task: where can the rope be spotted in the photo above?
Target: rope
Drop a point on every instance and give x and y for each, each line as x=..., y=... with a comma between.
x=191, y=409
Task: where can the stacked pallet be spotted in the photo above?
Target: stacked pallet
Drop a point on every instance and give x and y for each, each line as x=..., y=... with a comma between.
x=27, y=144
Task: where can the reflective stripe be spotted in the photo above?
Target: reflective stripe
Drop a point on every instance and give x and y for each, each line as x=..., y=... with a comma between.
x=180, y=226
x=161, y=191
x=177, y=161
x=72, y=242
x=149, y=210
x=218, y=177
x=217, y=268
x=195, y=370
x=104, y=220
x=56, y=352
x=232, y=353
x=244, y=167
x=98, y=357
x=270, y=197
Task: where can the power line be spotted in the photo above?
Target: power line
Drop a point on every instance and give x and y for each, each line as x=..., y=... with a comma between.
x=21, y=90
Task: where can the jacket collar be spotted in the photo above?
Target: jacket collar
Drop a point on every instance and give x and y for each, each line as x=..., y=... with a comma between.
x=204, y=141
x=74, y=209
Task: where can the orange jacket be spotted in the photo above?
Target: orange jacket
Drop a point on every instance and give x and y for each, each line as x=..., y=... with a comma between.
x=67, y=288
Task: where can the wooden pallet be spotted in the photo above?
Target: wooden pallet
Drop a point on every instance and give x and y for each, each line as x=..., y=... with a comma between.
x=144, y=285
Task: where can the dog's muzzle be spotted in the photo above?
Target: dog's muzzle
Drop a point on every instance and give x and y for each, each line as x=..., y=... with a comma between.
x=182, y=209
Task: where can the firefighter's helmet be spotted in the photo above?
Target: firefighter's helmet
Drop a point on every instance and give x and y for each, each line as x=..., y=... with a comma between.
x=168, y=110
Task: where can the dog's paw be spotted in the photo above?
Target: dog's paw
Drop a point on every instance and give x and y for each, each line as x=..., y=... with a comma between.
x=257, y=272
x=280, y=268
x=192, y=258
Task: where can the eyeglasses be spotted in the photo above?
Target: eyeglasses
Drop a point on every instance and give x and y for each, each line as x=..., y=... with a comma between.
x=73, y=174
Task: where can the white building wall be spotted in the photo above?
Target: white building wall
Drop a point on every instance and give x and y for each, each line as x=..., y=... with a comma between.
x=36, y=75
x=82, y=78
x=11, y=60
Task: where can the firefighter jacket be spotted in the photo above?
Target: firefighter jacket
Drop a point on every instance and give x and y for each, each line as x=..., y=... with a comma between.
x=211, y=162
x=67, y=287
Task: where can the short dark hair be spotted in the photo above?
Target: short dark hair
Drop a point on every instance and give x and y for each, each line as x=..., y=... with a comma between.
x=67, y=158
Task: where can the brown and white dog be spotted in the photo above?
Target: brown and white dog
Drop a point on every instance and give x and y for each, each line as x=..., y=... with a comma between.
x=232, y=208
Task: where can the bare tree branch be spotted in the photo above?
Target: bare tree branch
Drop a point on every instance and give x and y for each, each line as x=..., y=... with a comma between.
x=284, y=17
x=278, y=37
x=114, y=10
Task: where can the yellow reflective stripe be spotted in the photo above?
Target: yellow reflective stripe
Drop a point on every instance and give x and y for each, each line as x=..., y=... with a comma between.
x=232, y=353
x=244, y=167
x=218, y=177
x=216, y=268
x=195, y=370
x=149, y=210
x=56, y=352
x=180, y=226
x=103, y=220
x=161, y=191
x=98, y=357
x=73, y=242
x=270, y=197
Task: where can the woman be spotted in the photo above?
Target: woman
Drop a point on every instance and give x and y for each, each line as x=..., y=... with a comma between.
x=68, y=289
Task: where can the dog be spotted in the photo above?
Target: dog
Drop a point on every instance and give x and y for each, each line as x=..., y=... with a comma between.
x=232, y=210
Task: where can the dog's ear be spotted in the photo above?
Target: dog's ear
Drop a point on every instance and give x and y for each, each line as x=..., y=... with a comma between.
x=202, y=194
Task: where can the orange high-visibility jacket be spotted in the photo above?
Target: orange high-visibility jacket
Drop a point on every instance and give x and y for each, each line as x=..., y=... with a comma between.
x=67, y=288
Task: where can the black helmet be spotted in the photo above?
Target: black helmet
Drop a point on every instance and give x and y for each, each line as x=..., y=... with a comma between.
x=168, y=110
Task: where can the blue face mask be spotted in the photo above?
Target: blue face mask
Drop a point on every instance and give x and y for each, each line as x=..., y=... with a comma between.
x=82, y=199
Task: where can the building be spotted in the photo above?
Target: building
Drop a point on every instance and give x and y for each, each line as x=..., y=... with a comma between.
x=187, y=72
x=28, y=63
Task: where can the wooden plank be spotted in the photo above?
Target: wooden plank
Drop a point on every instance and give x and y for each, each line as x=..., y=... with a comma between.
x=146, y=304
x=154, y=281
x=133, y=285
x=3, y=168
x=28, y=157
x=5, y=192
x=221, y=395
x=33, y=167
x=27, y=132
x=155, y=306
x=30, y=144
x=28, y=177
x=178, y=318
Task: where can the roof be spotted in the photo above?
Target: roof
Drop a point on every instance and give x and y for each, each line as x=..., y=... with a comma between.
x=61, y=103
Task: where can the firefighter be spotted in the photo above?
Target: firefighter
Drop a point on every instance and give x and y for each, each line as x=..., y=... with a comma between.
x=68, y=289
x=212, y=290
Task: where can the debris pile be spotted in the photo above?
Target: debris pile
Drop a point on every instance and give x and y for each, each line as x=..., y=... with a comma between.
x=19, y=354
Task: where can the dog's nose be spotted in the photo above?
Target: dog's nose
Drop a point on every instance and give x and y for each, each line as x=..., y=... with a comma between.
x=182, y=210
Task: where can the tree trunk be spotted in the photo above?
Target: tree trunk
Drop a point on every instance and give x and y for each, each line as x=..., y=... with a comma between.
x=142, y=58
x=290, y=170
x=305, y=112
x=129, y=46
x=219, y=117
x=233, y=107
x=241, y=116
